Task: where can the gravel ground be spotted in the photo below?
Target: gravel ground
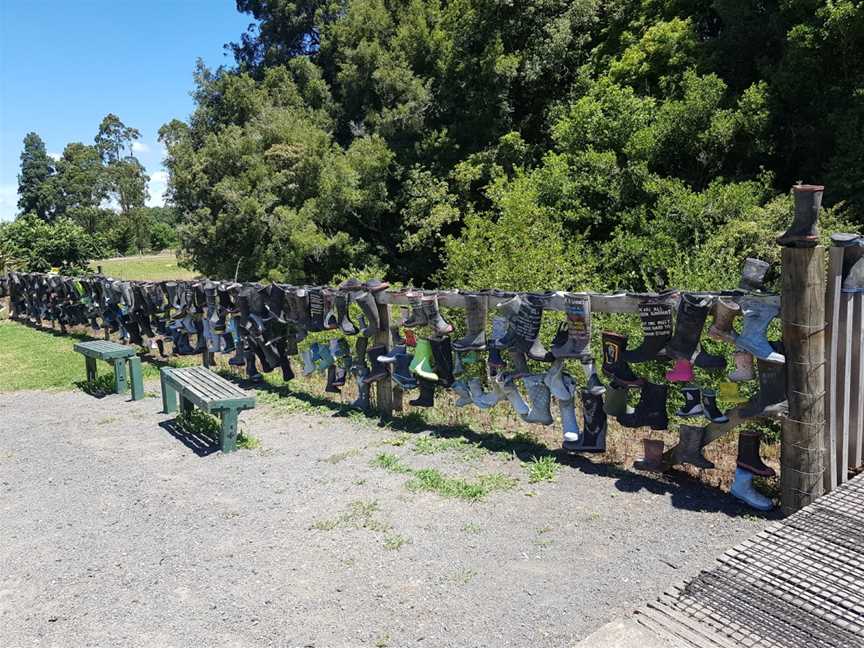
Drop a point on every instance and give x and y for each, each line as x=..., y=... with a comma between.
x=116, y=532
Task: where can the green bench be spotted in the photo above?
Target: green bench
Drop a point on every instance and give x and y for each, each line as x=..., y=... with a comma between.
x=199, y=387
x=119, y=356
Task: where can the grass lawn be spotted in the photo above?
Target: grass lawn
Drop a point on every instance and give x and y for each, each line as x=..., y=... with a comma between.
x=154, y=267
x=32, y=359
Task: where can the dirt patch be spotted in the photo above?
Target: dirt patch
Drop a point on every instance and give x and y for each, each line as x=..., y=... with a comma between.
x=119, y=531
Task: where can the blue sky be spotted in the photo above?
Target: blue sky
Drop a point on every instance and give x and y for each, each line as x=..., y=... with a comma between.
x=65, y=64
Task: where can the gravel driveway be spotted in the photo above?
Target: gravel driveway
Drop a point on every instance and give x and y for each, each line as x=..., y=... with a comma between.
x=114, y=531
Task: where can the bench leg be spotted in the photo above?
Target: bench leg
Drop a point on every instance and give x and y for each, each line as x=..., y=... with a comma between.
x=136, y=378
x=169, y=396
x=90, y=363
x=120, y=376
x=186, y=406
x=228, y=433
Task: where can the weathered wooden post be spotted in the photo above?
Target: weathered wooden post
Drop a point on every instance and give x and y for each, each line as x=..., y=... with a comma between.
x=803, y=316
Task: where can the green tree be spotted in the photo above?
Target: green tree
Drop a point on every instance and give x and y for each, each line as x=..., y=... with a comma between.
x=35, y=190
x=41, y=246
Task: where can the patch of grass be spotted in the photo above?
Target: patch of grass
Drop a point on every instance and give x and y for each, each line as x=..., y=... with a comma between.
x=390, y=462
x=341, y=456
x=34, y=359
x=247, y=441
x=430, y=479
x=199, y=423
x=154, y=267
x=394, y=541
x=361, y=514
x=429, y=445
x=464, y=576
x=472, y=527
x=100, y=386
x=542, y=469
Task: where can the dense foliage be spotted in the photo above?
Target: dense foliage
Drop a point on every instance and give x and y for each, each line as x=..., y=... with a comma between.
x=522, y=144
x=33, y=244
x=102, y=188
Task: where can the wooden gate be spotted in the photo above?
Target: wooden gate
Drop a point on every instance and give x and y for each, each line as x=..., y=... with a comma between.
x=844, y=366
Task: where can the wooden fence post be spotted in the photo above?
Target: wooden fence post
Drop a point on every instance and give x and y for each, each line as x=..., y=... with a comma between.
x=803, y=315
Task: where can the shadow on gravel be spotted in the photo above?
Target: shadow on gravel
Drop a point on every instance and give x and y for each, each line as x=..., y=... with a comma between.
x=200, y=444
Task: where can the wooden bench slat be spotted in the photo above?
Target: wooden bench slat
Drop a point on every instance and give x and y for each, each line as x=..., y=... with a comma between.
x=216, y=384
x=208, y=390
x=103, y=350
x=210, y=393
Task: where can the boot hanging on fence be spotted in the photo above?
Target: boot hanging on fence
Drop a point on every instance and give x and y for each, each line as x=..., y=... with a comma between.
x=418, y=315
x=725, y=312
x=854, y=281
x=692, y=403
x=433, y=316
x=709, y=361
x=540, y=400
x=402, y=372
x=369, y=306
x=362, y=401
x=332, y=319
x=652, y=460
x=348, y=327
x=692, y=313
x=616, y=401
x=753, y=274
x=317, y=309
x=742, y=489
x=475, y=320
x=682, y=372
x=377, y=369
x=460, y=388
x=595, y=385
x=570, y=426
x=505, y=384
x=743, y=367
x=651, y=409
x=614, y=365
x=554, y=380
x=331, y=380
x=728, y=392
x=480, y=398
x=499, y=330
x=524, y=329
x=656, y=316
x=308, y=363
x=710, y=409
x=574, y=339
x=690, y=447
x=758, y=313
x=594, y=424
x=803, y=233
x=442, y=356
x=749, y=458
x=422, y=362
x=427, y=394
x=771, y=398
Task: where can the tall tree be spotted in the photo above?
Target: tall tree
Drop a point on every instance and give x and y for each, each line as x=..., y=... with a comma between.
x=114, y=137
x=80, y=180
x=35, y=193
x=125, y=176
